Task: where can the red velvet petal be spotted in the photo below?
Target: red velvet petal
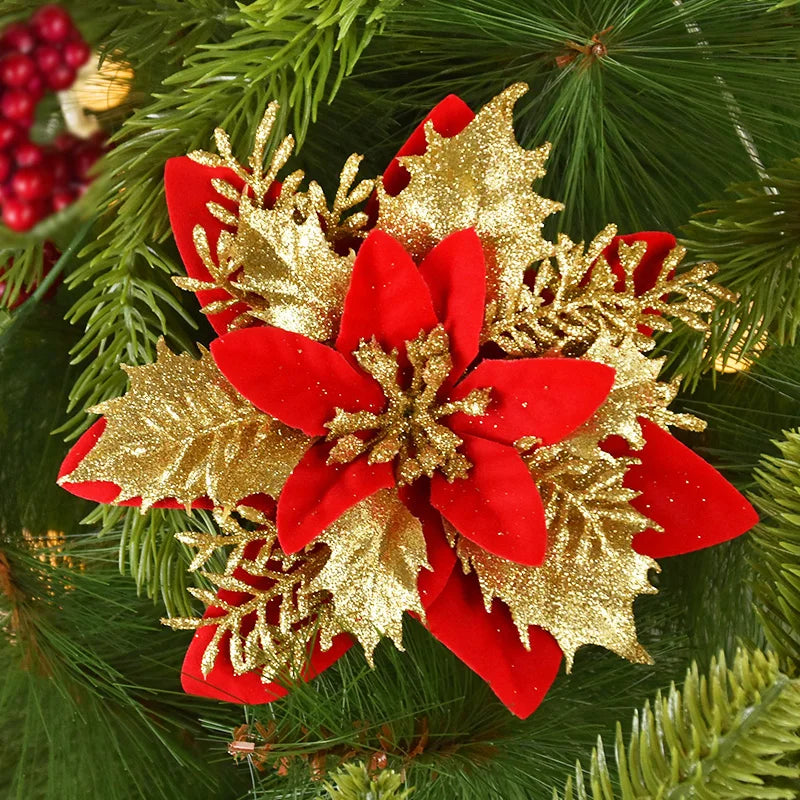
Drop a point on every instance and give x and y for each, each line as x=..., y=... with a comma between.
x=449, y=117
x=188, y=189
x=659, y=246
x=387, y=298
x=455, y=272
x=106, y=491
x=99, y=491
x=297, y=380
x=441, y=556
x=317, y=494
x=489, y=644
x=544, y=397
x=222, y=684
x=684, y=494
x=497, y=505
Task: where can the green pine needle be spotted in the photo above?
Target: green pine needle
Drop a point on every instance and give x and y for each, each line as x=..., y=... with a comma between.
x=776, y=547
x=150, y=553
x=753, y=235
x=89, y=693
x=641, y=134
x=733, y=734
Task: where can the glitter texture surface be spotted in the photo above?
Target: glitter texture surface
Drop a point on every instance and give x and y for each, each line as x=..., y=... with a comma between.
x=480, y=178
x=269, y=630
x=376, y=552
x=576, y=297
x=278, y=256
x=409, y=429
x=183, y=431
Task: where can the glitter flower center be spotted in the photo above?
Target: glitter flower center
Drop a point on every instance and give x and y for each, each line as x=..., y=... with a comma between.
x=409, y=429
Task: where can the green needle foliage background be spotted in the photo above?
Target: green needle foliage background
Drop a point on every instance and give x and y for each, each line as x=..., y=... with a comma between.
x=683, y=117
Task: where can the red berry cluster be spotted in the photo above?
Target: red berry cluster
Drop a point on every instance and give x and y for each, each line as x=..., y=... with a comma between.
x=41, y=55
x=50, y=255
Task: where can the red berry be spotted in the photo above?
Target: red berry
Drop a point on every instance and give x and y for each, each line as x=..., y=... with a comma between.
x=62, y=76
x=35, y=87
x=20, y=215
x=83, y=162
x=52, y=23
x=59, y=167
x=62, y=198
x=8, y=134
x=16, y=69
x=47, y=57
x=5, y=167
x=28, y=154
x=18, y=38
x=64, y=142
x=76, y=54
x=50, y=254
x=32, y=183
x=17, y=105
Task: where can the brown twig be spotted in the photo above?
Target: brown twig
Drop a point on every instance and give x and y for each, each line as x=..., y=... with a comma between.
x=245, y=745
x=593, y=51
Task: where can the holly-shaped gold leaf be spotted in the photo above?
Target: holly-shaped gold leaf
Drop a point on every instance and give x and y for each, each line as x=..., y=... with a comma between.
x=584, y=591
x=182, y=431
x=480, y=178
x=286, y=259
x=377, y=550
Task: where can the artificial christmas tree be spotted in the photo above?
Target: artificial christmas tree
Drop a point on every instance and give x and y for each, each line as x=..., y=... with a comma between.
x=414, y=411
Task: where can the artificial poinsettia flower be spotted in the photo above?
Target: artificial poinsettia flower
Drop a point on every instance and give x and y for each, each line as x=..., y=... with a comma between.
x=403, y=399
x=390, y=403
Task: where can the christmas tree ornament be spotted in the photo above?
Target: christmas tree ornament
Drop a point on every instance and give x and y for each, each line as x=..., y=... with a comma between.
x=103, y=84
x=37, y=180
x=418, y=406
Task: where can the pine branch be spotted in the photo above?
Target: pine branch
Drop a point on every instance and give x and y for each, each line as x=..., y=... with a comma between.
x=88, y=691
x=354, y=782
x=776, y=547
x=127, y=303
x=753, y=235
x=700, y=64
x=22, y=269
x=295, y=51
x=151, y=554
x=731, y=735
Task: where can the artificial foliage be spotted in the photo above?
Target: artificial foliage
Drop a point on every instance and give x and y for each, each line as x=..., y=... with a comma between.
x=354, y=781
x=730, y=734
x=774, y=543
x=667, y=116
x=411, y=471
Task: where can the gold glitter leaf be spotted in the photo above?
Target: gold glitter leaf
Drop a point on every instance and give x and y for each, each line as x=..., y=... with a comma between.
x=479, y=178
x=289, y=264
x=636, y=393
x=566, y=311
x=271, y=630
x=283, y=259
x=183, y=431
x=584, y=591
x=376, y=552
